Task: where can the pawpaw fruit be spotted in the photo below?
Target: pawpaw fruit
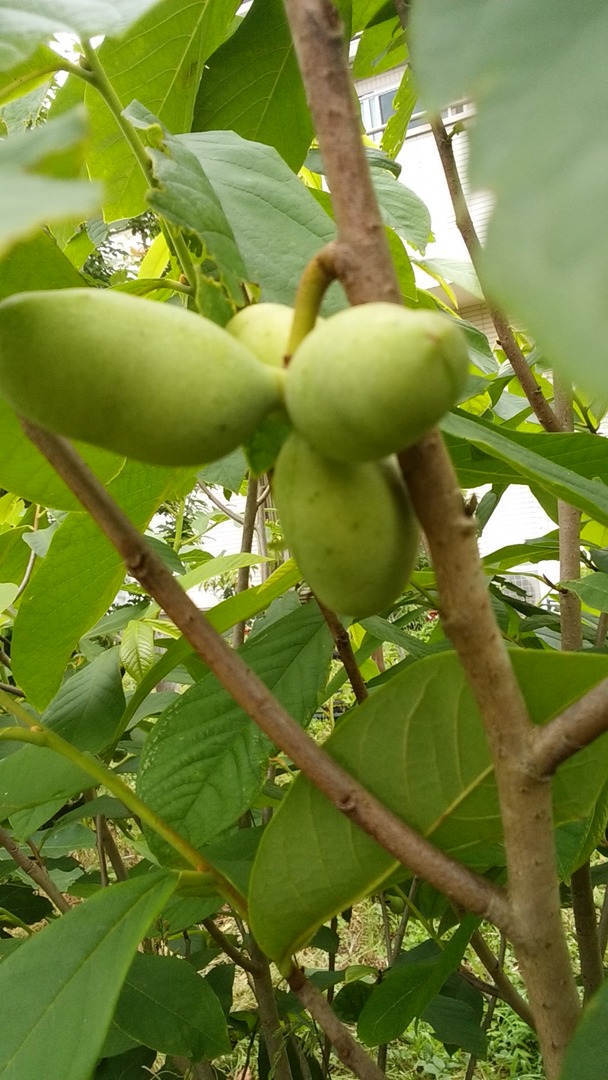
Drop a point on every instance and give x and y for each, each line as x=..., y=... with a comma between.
x=148, y=380
x=371, y=380
x=350, y=526
x=264, y=329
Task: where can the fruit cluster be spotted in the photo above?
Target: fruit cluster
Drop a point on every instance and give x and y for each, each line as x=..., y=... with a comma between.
x=166, y=386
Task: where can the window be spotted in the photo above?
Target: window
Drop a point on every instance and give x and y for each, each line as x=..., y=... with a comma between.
x=377, y=109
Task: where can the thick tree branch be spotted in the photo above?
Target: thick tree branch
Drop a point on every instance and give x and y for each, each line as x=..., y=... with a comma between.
x=525, y=799
x=574, y=728
x=464, y=222
x=349, y=796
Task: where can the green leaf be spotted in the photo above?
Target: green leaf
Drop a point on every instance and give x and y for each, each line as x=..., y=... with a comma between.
x=381, y=47
x=28, y=74
x=165, y=1004
x=567, y=466
x=24, y=27
x=407, y=989
x=404, y=103
x=37, y=264
x=253, y=84
x=229, y=471
x=554, y=209
x=277, y=223
x=454, y=1023
x=402, y=209
x=76, y=582
x=19, y=900
x=185, y=196
x=184, y=34
x=85, y=956
x=239, y=608
x=133, y=1064
x=418, y=744
x=585, y=1057
x=592, y=589
x=204, y=761
x=137, y=648
x=24, y=471
x=85, y=712
x=30, y=197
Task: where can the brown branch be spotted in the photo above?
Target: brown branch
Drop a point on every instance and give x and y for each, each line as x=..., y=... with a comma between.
x=14, y=690
x=587, y=935
x=345, y=650
x=34, y=870
x=466, y=228
x=348, y=796
x=574, y=728
x=469, y=621
x=231, y=950
x=272, y=1029
x=346, y=1047
x=251, y=509
x=361, y=257
x=503, y=986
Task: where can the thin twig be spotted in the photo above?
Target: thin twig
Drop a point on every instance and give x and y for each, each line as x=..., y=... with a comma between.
x=251, y=509
x=345, y=650
x=220, y=505
x=231, y=950
x=34, y=870
x=504, y=987
x=464, y=222
x=462, y=885
x=14, y=690
x=30, y=562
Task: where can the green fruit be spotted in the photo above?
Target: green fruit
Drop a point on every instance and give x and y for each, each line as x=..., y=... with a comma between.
x=144, y=379
x=350, y=527
x=371, y=380
x=264, y=329
x=395, y=903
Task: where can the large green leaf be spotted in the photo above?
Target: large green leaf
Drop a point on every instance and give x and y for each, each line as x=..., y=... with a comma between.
x=76, y=583
x=184, y=196
x=585, y=1057
x=183, y=34
x=418, y=744
x=25, y=472
x=253, y=86
x=77, y=966
x=85, y=712
x=277, y=223
x=402, y=209
x=25, y=25
x=547, y=165
x=570, y=467
x=407, y=989
x=165, y=1004
x=204, y=761
x=36, y=170
x=37, y=264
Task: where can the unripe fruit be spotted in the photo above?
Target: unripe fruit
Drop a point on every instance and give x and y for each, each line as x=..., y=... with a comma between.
x=371, y=380
x=154, y=382
x=350, y=527
x=395, y=903
x=264, y=329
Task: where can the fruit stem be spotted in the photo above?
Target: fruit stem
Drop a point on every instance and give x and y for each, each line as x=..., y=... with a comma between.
x=315, y=281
